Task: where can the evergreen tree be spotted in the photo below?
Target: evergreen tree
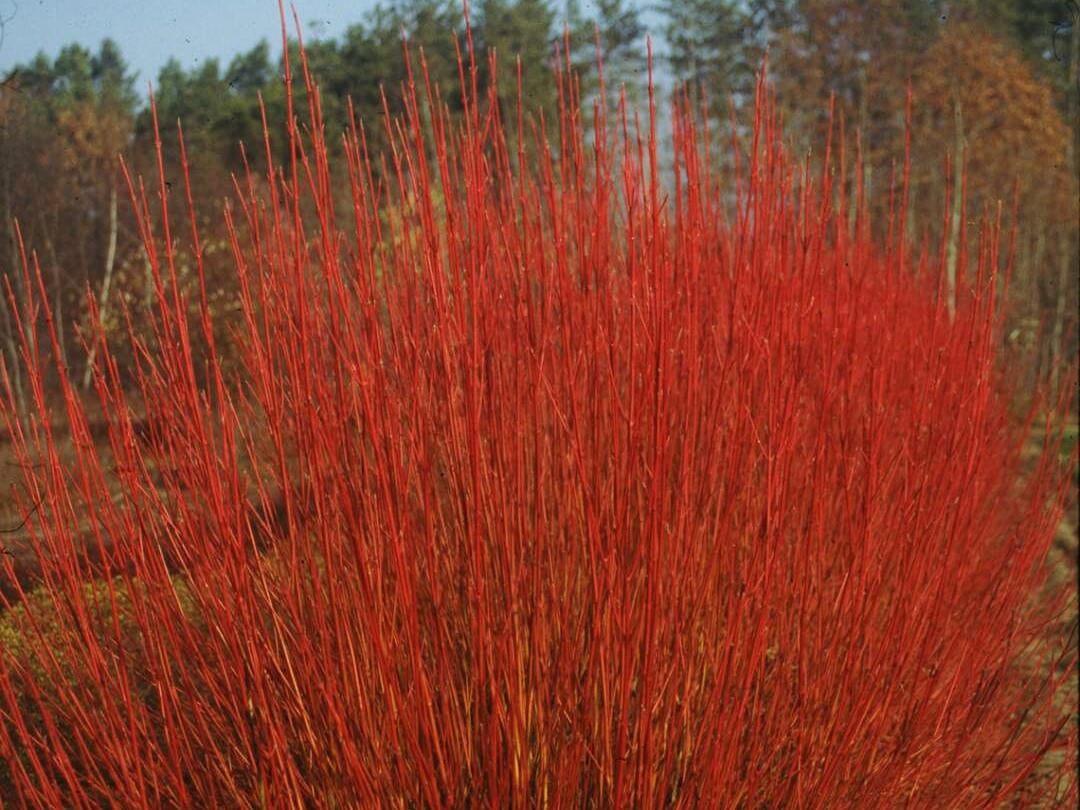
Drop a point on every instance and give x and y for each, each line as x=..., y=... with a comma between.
x=519, y=29
x=707, y=48
x=199, y=99
x=113, y=83
x=622, y=44
x=427, y=26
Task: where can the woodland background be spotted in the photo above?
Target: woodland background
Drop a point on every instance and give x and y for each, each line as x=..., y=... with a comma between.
x=994, y=86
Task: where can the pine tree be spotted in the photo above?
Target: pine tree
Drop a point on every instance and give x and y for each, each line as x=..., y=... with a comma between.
x=519, y=29
x=707, y=48
x=621, y=34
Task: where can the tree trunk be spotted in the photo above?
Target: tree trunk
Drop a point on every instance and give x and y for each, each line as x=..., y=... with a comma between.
x=952, y=251
x=148, y=284
x=58, y=297
x=1065, y=260
x=1037, y=297
x=11, y=338
x=1061, y=291
x=106, y=286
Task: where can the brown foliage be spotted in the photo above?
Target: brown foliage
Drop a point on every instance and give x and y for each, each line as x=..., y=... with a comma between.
x=1013, y=131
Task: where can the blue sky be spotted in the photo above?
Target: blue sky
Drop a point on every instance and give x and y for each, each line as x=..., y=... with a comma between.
x=150, y=31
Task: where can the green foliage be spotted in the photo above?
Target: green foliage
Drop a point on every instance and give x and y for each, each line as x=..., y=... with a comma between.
x=707, y=42
x=77, y=75
x=217, y=109
x=621, y=34
x=519, y=30
x=1069, y=438
x=430, y=26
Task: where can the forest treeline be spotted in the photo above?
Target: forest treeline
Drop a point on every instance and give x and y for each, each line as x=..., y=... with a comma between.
x=993, y=86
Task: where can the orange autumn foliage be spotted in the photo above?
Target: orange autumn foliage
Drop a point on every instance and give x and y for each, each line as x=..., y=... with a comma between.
x=1012, y=129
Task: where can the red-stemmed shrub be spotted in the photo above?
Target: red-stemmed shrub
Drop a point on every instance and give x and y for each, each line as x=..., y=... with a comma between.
x=547, y=482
